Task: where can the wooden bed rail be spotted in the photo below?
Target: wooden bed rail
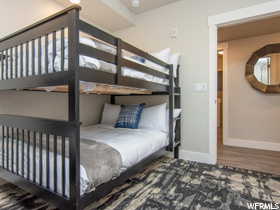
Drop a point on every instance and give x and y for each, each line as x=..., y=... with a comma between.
x=48, y=126
x=37, y=150
x=28, y=57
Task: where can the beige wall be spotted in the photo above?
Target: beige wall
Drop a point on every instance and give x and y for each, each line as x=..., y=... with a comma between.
x=152, y=32
x=16, y=14
x=50, y=105
x=252, y=115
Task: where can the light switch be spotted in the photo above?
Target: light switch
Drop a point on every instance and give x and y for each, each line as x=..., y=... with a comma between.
x=200, y=87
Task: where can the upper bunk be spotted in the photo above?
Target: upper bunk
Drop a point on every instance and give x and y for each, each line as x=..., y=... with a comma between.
x=47, y=55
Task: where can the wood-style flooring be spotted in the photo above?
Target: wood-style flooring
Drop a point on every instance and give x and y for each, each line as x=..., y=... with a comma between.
x=253, y=159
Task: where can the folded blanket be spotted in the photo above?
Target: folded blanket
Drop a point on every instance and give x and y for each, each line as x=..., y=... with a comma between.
x=99, y=162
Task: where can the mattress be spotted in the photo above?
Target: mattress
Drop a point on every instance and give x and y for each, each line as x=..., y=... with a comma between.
x=54, y=65
x=133, y=144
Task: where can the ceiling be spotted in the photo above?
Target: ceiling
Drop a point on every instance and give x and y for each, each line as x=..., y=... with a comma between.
x=114, y=15
x=249, y=29
x=108, y=15
x=146, y=5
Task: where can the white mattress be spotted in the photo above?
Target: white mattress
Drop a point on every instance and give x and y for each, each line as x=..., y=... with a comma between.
x=89, y=62
x=83, y=174
x=133, y=144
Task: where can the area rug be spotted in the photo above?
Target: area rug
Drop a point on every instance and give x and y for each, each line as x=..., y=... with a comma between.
x=170, y=184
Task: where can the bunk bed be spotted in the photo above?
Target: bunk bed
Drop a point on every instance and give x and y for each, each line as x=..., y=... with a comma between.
x=25, y=141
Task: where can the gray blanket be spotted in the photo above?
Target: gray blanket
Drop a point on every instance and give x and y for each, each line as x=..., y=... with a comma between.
x=101, y=162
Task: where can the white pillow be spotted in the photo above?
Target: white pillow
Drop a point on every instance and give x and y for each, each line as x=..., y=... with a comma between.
x=175, y=60
x=110, y=114
x=154, y=117
x=176, y=113
x=163, y=55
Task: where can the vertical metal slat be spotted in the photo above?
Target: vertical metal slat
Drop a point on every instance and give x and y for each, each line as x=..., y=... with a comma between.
x=3, y=146
x=55, y=162
x=63, y=165
x=27, y=59
x=28, y=155
x=17, y=151
x=40, y=158
x=34, y=156
x=46, y=54
x=16, y=62
x=11, y=64
x=7, y=147
x=12, y=150
x=39, y=56
x=22, y=154
x=33, y=57
x=62, y=49
x=7, y=63
x=48, y=160
x=54, y=49
x=21, y=60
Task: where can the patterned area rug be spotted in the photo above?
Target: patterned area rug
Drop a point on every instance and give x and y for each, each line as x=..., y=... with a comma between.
x=173, y=184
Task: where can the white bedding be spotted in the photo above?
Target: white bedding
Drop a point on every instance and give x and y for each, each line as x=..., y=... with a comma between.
x=133, y=144
x=100, y=65
x=89, y=62
x=84, y=180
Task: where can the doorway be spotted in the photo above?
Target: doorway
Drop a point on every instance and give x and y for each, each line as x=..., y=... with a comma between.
x=239, y=16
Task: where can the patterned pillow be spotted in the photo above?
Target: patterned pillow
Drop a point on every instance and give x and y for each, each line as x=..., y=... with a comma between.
x=129, y=116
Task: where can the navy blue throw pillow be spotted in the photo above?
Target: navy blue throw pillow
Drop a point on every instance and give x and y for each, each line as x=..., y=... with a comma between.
x=129, y=116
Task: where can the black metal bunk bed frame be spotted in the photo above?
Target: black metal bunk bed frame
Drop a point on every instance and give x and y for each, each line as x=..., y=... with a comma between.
x=20, y=128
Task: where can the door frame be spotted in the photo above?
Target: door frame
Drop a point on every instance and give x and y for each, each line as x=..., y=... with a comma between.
x=225, y=124
x=242, y=15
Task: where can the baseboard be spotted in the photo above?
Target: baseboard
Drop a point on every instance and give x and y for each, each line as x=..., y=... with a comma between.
x=197, y=156
x=263, y=145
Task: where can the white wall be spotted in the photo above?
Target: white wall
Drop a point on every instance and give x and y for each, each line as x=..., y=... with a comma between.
x=191, y=17
x=16, y=14
x=252, y=115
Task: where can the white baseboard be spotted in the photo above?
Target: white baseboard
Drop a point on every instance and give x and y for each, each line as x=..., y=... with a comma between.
x=263, y=145
x=197, y=156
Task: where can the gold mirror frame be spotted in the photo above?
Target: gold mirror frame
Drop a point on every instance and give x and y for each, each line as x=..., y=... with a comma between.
x=249, y=74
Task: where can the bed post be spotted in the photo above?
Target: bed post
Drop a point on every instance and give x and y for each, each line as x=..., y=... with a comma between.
x=177, y=101
x=171, y=108
x=74, y=109
x=113, y=99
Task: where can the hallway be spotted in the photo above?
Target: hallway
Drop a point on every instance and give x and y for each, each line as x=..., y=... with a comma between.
x=253, y=159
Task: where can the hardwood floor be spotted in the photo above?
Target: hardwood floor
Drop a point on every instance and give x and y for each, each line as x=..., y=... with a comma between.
x=253, y=159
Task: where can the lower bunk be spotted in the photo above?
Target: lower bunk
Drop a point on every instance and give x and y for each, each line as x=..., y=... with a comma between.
x=105, y=153
x=35, y=153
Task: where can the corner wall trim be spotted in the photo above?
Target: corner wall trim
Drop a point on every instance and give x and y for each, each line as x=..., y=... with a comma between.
x=197, y=157
x=252, y=144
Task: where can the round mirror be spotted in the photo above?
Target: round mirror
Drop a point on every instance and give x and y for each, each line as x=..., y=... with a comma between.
x=263, y=69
